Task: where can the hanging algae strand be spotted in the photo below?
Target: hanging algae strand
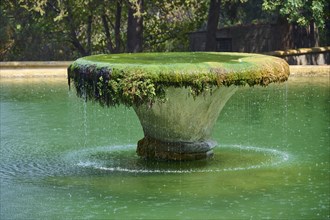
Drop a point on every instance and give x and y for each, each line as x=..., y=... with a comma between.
x=113, y=87
x=177, y=96
x=133, y=79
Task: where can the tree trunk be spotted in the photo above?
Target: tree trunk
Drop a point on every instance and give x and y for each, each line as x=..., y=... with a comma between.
x=89, y=34
x=117, y=26
x=107, y=32
x=314, y=35
x=212, y=25
x=73, y=35
x=135, y=27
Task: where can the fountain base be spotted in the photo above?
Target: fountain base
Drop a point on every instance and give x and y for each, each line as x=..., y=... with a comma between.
x=151, y=148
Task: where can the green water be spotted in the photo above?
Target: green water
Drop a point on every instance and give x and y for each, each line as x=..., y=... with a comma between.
x=61, y=158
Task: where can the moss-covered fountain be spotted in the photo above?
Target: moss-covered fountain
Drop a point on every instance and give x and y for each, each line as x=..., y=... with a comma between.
x=177, y=96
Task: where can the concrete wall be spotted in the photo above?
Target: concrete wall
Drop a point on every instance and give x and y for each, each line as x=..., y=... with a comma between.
x=322, y=58
x=257, y=38
x=305, y=56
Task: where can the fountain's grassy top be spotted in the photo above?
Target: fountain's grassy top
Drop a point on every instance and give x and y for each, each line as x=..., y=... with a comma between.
x=183, y=63
x=166, y=58
x=138, y=78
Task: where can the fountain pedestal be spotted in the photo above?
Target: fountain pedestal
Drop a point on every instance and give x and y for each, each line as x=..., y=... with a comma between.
x=180, y=128
x=196, y=86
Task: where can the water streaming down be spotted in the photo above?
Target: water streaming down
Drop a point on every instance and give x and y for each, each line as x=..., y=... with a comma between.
x=271, y=161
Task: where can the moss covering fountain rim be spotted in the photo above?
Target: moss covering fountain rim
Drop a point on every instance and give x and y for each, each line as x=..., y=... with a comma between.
x=133, y=79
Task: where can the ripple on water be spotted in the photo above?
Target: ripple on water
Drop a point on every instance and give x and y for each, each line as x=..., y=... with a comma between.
x=28, y=169
x=227, y=158
x=123, y=159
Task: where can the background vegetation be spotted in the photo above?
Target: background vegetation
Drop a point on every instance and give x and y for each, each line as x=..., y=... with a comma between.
x=67, y=29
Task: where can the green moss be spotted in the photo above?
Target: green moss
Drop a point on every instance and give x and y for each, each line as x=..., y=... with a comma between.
x=133, y=79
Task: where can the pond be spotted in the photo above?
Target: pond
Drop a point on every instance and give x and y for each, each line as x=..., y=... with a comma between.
x=62, y=158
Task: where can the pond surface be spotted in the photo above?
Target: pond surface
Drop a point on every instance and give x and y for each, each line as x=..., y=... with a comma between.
x=61, y=158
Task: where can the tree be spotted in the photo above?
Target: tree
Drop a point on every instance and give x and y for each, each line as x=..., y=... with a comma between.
x=28, y=35
x=240, y=12
x=74, y=28
x=302, y=12
x=135, y=26
x=308, y=18
x=304, y=20
x=167, y=23
x=90, y=26
x=212, y=25
x=113, y=47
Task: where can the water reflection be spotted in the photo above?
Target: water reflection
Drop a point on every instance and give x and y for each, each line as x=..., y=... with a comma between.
x=272, y=160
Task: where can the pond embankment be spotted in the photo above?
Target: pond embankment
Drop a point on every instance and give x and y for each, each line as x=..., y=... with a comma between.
x=304, y=56
x=59, y=69
x=34, y=69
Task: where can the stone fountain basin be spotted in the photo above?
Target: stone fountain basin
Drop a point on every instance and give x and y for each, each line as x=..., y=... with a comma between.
x=180, y=128
x=177, y=96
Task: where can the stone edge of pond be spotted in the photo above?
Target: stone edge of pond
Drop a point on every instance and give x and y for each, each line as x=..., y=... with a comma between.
x=299, y=51
x=309, y=70
x=34, y=69
x=59, y=69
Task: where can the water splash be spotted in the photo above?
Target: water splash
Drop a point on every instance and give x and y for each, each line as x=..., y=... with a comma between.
x=123, y=159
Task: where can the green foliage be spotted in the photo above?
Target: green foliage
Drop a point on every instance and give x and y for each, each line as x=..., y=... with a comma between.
x=301, y=11
x=63, y=22
x=135, y=79
x=112, y=87
x=132, y=89
x=236, y=12
x=168, y=22
x=78, y=25
x=6, y=33
x=28, y=35
x=65, y=30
